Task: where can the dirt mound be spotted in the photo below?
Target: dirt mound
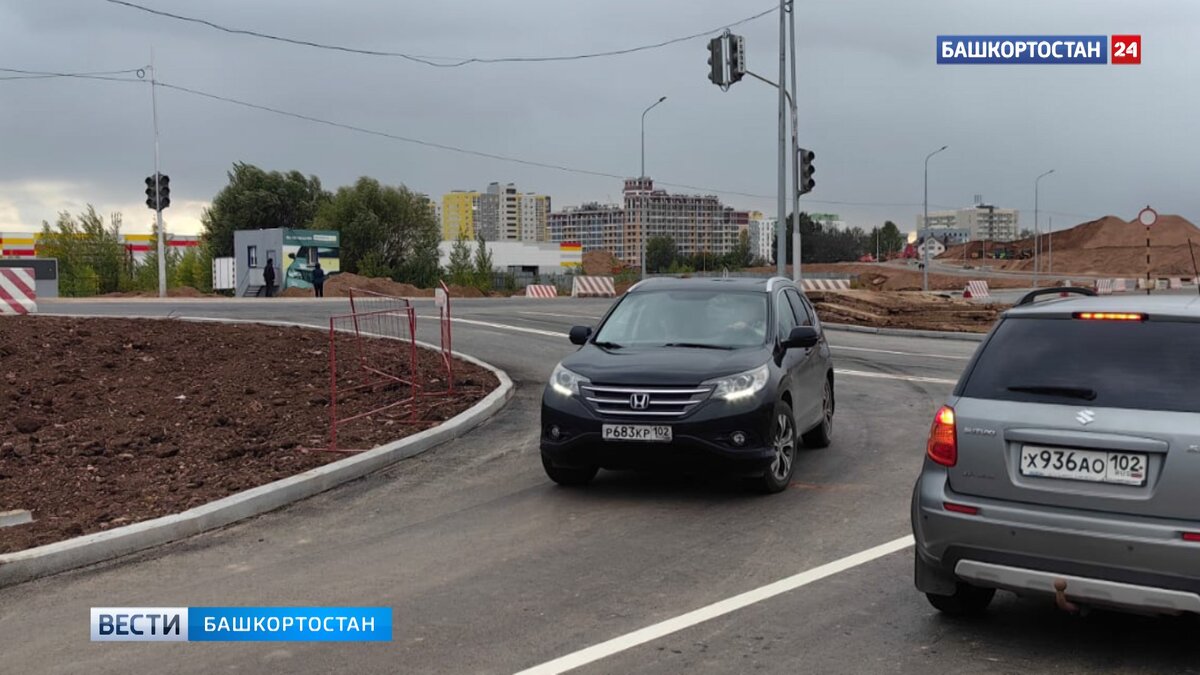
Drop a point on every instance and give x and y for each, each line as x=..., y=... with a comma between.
x=601, y=263
x=904, y=310
x=294, y=292
x=106, y=422
x=881, y=277
x=1108, y=246
x=339, y=285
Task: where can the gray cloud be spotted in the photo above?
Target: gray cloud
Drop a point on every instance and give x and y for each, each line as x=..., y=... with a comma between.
x=873, y=102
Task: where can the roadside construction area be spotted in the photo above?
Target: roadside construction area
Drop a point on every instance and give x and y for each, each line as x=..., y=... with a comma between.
x=108, y=422
x=916, y=311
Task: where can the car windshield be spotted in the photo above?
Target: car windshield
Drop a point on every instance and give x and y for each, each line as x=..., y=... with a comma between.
x=688, y=318
x=1116, y=364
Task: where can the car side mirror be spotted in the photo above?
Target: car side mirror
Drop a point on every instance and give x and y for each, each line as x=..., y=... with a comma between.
x=580, y=334
x=292, y=256
x=802, y=337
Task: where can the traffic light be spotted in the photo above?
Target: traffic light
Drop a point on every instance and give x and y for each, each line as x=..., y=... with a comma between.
x=717, y=57
x=158, y=196
x=737, y=58
x=806, y=171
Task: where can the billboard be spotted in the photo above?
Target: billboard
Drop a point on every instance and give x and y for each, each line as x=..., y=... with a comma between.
x=302, y=249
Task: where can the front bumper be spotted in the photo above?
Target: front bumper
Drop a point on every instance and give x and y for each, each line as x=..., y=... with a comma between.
x=702, y=438
x=1106, y=559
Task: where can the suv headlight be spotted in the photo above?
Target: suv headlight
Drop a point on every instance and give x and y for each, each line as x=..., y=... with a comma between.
x=566, y=382
x=741, y=385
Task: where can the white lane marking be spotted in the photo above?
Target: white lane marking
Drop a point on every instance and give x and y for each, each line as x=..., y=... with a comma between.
x=889, y=351
x=890, y=376
x=502, y=326
x=578, y=316
x=638, y=637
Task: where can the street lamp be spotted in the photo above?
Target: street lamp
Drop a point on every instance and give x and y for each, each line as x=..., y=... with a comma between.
x=643, y=175
x=925, y=222
x=1037, y=233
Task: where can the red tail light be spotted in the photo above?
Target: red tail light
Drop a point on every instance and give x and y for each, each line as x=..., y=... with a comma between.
x=943, y=438
x=961, y=508
x=1191, y=536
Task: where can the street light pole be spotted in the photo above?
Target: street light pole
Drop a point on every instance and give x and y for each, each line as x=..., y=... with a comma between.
x=925, y=220
x=781, y=191
x=1037, y=232
x=643, y=175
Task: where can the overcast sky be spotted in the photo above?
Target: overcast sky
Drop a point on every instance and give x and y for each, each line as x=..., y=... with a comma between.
x=873, y=103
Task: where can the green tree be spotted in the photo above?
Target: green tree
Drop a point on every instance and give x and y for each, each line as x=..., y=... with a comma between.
x=256, y=199
x=891, y=240
x=483, y=265
x=145, y=273
x=385, y=231
x=741, y=255
x=461, y=270
x=91, y=258
x=660, y=253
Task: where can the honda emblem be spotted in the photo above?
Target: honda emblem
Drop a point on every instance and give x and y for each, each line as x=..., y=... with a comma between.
x=639, y=401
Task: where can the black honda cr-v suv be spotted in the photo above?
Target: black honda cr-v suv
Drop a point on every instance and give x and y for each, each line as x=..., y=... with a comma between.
x=680, y=372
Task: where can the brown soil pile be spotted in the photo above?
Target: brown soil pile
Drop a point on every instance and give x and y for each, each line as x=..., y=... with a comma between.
x=904, y=310
x=339, y=286
x=1111, y=246
x=106, y=422
x=601, y=263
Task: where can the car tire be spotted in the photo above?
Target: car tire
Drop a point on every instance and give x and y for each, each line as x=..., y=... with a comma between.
x=779, y=474
x=967, y=600
x=570, y=476
x=821, y=435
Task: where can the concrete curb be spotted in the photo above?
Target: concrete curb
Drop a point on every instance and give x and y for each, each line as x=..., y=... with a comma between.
x=89, y=549
x=904, y=332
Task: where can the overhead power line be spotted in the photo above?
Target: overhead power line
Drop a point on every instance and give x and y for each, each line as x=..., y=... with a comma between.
x=96, y=75
x=439, y=61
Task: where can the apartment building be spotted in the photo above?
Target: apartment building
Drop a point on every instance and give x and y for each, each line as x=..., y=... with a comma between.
x=460, y=210
x=696, y=223
x=979, y=222
x=595, y=226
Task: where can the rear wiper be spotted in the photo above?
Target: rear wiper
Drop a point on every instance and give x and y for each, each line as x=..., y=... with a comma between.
x=696, y=345
x=1057, y=390
x=607, y=345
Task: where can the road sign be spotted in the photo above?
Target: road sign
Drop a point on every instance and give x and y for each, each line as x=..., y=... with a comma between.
x=1148, y=216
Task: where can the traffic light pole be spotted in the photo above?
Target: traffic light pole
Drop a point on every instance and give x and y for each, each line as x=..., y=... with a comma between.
x=782, y=232
x=797, y=244
x=781, y=222
x=162, y=258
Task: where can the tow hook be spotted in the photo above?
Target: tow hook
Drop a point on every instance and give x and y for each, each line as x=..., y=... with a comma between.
x=1060, y=597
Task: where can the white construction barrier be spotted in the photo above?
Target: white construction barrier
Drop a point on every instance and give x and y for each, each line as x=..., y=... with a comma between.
x=1104, y=286
x=18, y=292
x=1175, y=283
x=976, y=289
x=1120, y=286
x=825, y=284
x=593, y=287
x=541, y=291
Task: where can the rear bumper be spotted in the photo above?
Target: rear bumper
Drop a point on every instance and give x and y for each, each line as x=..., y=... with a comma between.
x=702, y=439
x=1107, y=559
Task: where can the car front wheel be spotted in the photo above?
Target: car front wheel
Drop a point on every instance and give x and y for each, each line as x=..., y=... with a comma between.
x=783, y=439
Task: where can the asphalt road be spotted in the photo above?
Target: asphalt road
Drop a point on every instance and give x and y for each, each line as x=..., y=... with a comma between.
x=491, y=568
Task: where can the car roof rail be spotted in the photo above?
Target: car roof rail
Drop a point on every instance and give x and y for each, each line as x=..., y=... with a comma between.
x=1034, y=295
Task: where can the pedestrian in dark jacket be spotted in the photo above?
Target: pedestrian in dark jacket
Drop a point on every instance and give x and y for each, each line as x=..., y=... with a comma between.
x=269, y=277
x=318, y=280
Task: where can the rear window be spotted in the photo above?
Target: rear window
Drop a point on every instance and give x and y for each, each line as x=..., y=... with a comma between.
x=1152, y=365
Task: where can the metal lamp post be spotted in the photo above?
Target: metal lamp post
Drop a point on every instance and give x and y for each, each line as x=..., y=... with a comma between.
x=643, y=175
x=925, y=221
x=1037, y=232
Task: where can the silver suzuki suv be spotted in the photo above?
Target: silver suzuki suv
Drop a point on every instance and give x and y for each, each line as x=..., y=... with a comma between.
x=1067, y=461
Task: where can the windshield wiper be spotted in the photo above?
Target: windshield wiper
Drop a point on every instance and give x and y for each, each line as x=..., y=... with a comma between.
x=1057, y=390
x=607, y=345
x=696, y=345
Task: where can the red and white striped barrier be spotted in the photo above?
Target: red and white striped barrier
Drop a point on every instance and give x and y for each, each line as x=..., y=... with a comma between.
x=541, y=291
x=1120, y=286
x=18, y=294
x=976, y=289
x=593, y=287
x=825, y=284
x=1104, y=286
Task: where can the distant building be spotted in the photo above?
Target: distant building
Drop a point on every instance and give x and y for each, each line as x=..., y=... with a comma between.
x=595, y=226
x=500, y=213
x=983, y=221
x=696, y=223
x=762, y=236
x=137, y=246
x=935, y=247
x=523, y=257
x=459, y=210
